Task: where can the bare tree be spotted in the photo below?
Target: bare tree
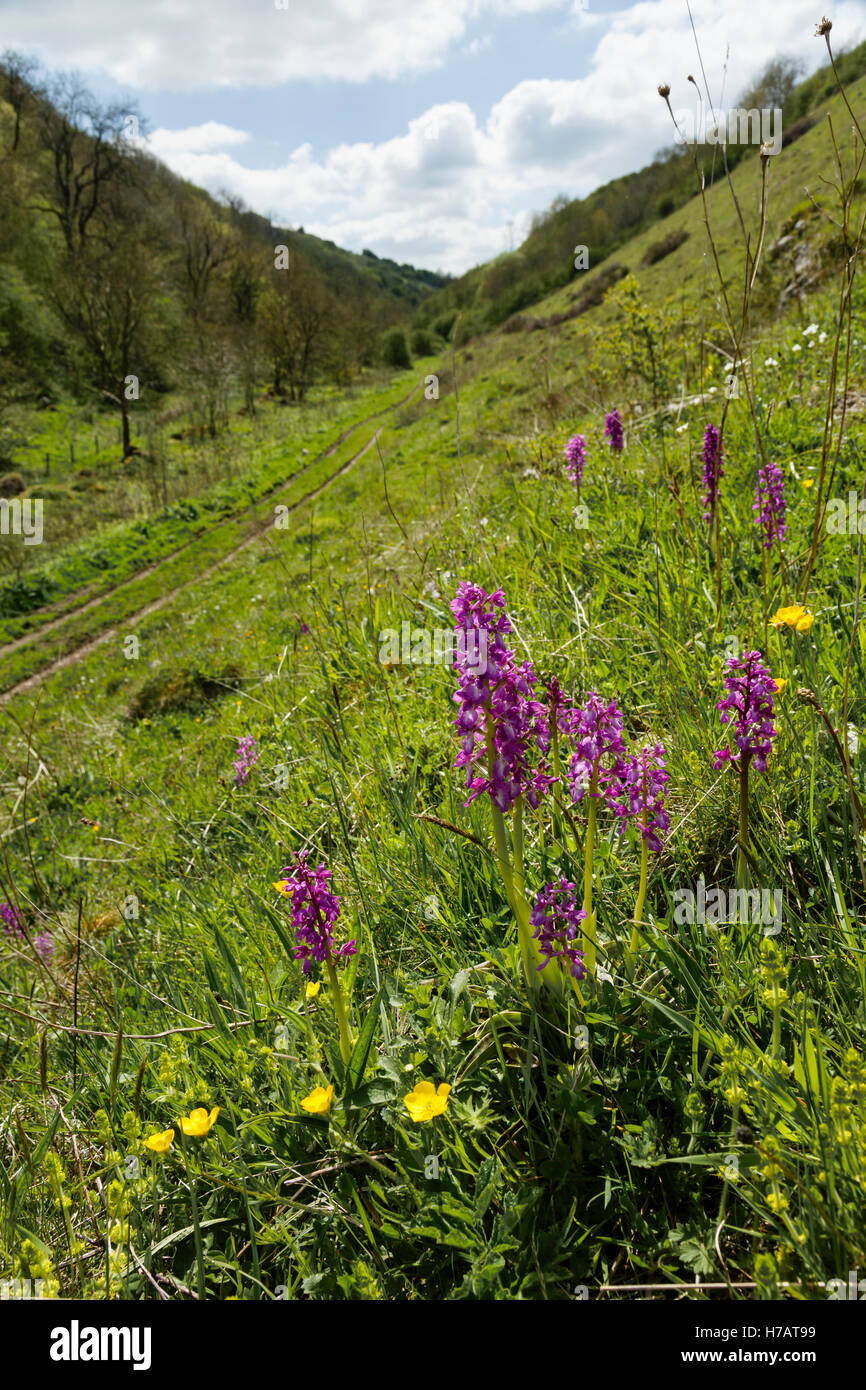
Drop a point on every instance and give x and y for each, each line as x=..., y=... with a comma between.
x=89, y=148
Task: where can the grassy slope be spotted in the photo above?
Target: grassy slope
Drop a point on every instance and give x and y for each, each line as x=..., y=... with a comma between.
x=630, y=1140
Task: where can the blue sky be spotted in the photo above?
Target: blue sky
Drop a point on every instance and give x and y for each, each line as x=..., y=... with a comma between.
x=429, y=132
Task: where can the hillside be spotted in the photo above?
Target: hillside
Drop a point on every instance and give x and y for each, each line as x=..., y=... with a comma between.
x=321, y=984
x=113, y=268
x=621, y=210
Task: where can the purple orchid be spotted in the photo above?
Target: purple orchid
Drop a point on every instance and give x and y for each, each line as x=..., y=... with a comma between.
x=497, y=704
x=314, y=912
x=748, y=705
x=613, y=431
x=557, y=918
x=640, y=794
x=769, y=503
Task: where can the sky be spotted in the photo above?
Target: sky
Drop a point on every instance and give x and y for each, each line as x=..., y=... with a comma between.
x=429, y=131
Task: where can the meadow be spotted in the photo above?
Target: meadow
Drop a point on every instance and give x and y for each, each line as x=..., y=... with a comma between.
x=284, y=1017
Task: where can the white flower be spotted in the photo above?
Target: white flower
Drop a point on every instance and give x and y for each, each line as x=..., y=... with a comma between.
x=796, y=348
x=822, y=337
x=680, y=428
x=770, y=362
x=810, y=329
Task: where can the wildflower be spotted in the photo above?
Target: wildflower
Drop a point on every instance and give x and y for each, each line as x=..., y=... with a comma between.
x=712, y=455
x=575, y=453
x=198, y=1122
x=318, y=1102
x=810, y=329
x=13, y=922
x=44, y=944
x=556, y=918
x=808, y=482
x=781, y=685
x=770, y=362
x=749, y=703
x=640, y=791
x=427, y=1101
x=613, y=431
x=160, y=1143
x=596, y=735
x=769, y=503
x=312, y=989
x=247, y=757
x=314, y=911
x=794, y=616
x=502, y=725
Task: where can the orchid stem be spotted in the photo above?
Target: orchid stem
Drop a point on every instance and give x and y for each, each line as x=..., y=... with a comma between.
x=631, y=954
x=589, y=925
x=340, y=1011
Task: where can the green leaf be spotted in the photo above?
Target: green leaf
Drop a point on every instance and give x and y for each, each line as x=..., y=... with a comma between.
x=374, y=1093
x=188, y=1231
x=486, y=1184
x=358, y=1059
x=236, y=983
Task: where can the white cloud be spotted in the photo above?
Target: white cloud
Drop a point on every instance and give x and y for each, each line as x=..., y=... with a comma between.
x=442, y=192
x=187, y=45
x=212, y=135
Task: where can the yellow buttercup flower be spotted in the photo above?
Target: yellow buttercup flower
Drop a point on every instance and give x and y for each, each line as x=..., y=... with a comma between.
x=794, y=616
x=282, y=886
x=781, y=686
x=160, y=1143
x=318, y=1102
x=808, y=482
x=426, y=1102
x=312, y=989
x=198, y=1122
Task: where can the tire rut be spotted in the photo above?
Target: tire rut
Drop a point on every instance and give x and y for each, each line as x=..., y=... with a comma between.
x=261, y=528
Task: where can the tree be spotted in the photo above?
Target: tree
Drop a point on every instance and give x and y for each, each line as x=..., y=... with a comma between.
x=18, y=76
x=395, y=352
x=245, y=291
x=109, y=296
x=206, y=246
x=88, y=149
x=297, y=314
x=774, y=86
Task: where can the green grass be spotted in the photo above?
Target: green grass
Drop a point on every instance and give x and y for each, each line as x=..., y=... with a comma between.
x=687, y=1123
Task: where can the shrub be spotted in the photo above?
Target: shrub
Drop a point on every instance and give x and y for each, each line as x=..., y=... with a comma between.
x=660, y=249
x=11, y=485
x=181, y=689
x=395, y=352
x=421, y=343
x=444, y=324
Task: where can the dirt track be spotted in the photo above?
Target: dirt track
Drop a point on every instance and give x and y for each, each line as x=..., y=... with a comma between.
x=261, y=528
